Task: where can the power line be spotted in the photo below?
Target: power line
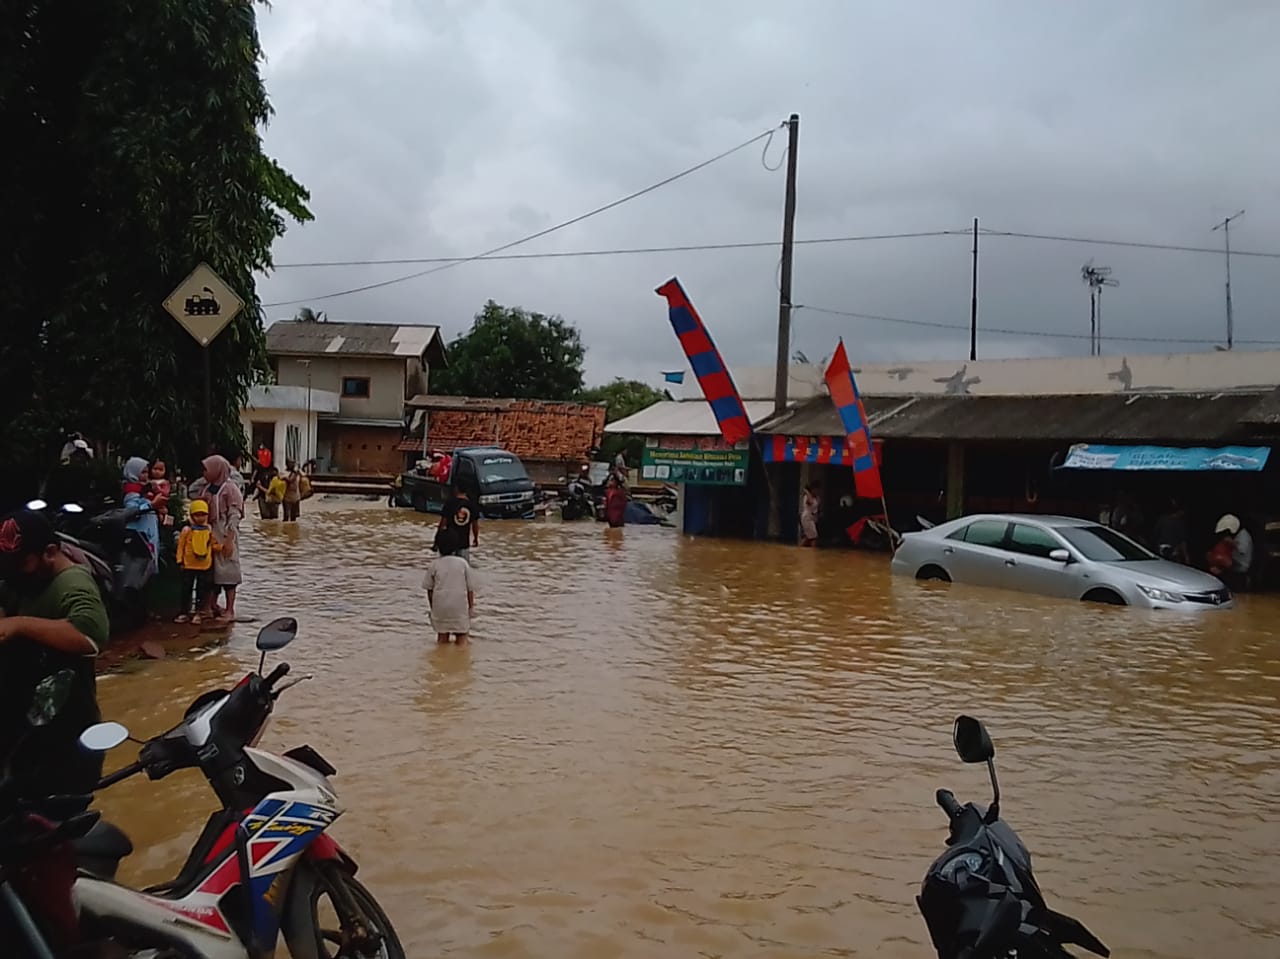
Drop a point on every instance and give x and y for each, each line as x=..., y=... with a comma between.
x=1047, y=334
x=746, y=245
x=621, y=251
x=534, y=236
x=1134, y=244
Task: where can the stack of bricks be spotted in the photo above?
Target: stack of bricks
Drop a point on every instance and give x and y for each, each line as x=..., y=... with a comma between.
x=534, y=430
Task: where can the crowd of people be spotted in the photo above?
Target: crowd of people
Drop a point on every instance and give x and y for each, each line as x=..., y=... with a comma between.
x=1230, y=556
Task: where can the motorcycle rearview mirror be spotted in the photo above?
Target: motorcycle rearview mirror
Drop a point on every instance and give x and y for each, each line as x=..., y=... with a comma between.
x=973, y=745
x=100, y=737
x=277, y=634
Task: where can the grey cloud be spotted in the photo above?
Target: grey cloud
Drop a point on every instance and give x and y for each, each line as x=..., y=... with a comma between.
x=446, y=129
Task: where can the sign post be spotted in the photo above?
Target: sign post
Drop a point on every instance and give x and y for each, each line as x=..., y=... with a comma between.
x=203, y=305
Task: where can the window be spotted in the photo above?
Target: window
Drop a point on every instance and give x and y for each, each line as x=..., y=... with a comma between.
x=1032, y=540
x=983, y=532
x=355, y=387
x=1104, y=545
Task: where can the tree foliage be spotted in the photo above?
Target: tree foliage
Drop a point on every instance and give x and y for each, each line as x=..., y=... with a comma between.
x=511, y=352
x=623, y=397
x=133, y=153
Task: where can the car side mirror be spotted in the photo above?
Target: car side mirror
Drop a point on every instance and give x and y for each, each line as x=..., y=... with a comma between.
x=1060, y=555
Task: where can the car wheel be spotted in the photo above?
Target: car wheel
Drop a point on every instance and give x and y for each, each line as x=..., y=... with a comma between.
x=1107, y=597
x=934, y=574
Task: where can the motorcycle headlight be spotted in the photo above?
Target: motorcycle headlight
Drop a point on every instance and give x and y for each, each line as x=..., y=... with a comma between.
x=1161, y=595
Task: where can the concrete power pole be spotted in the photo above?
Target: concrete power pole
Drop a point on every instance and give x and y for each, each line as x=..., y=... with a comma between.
x=1225, y=227
x=784, y=286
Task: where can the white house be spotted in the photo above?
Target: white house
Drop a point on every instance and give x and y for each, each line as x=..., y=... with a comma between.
x=286, y=418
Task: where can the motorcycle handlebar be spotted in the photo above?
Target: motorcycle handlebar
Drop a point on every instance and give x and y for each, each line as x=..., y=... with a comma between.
x=120, y=774
x=947, y=801
x=277, y=674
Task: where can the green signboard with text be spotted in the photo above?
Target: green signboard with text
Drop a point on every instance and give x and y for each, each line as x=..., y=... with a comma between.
x=699, y=460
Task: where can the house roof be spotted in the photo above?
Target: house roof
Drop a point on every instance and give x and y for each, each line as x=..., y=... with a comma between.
x=1124, y=417
x=304, y=338
x=1266, y=412
x=682, y=418
x=483, y=404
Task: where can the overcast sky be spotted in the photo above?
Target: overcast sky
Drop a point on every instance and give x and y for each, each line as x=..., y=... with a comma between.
x=444, y=129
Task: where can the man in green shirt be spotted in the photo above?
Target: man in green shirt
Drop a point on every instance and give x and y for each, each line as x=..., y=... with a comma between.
x=52, y=625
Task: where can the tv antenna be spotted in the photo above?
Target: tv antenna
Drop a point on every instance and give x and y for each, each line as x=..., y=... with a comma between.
x=1096, y=277
x=1225, y=227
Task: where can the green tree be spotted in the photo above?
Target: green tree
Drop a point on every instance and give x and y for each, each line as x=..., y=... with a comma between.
x=308, y=315
x=133, y=153
x=622, y=398
x=511, y=352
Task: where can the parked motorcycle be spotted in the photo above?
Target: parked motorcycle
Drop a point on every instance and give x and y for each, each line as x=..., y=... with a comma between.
x=578, y=503
x=257, y=870
x=980, y=899
x=117, y=556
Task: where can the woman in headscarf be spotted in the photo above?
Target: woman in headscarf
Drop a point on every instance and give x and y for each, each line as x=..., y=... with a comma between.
x=226, y=510
x=147, y=525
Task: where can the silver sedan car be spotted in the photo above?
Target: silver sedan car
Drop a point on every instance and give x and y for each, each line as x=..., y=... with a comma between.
x=1056, y=556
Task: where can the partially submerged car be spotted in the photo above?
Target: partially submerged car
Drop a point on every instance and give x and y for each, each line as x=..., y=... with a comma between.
x=1055, y=556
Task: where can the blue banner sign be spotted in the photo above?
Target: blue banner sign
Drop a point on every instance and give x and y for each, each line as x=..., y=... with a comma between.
x=1092, y=456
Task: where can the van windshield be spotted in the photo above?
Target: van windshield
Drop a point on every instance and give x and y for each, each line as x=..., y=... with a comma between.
x=499, y=469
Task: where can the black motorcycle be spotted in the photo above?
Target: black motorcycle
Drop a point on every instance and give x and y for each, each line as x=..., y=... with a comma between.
x=117, y=556
x=980, y=899
x=578, y=503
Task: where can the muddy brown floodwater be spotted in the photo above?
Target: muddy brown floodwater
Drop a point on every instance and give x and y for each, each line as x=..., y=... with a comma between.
x=664, y=747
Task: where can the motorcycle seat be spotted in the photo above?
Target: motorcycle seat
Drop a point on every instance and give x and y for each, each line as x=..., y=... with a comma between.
x=100, y=850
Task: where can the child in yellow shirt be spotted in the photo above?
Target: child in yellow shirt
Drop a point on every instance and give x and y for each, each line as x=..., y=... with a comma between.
x=196, y=546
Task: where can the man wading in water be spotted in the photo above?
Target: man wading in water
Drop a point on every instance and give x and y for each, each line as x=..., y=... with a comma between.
x=458, y=522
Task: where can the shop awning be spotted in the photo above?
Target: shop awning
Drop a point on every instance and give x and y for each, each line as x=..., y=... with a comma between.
x=810, y=449
x=1093, y=456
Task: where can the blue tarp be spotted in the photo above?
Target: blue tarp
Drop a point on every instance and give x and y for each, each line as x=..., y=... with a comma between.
x=1092, y=456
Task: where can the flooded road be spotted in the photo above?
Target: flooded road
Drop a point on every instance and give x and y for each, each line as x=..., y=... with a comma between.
x=663, y=747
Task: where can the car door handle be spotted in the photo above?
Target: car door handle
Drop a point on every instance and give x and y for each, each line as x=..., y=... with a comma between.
x=1011, y=562
x=948, y=549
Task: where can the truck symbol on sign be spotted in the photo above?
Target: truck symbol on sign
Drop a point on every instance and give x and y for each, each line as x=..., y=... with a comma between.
x=202, y=304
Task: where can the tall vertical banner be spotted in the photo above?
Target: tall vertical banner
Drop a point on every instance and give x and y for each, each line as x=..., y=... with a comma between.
x=844, y=394
x=708, y=366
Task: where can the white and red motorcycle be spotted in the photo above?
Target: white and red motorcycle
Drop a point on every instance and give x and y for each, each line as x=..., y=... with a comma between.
x=259, y=869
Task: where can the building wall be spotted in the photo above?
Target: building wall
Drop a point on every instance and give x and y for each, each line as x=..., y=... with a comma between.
x=361, y=449
x=281, y=420
x=388, y=381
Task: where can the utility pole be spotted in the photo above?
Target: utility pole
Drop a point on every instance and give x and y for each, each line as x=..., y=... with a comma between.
x=1225, y=227
x=784, y=286
x=973, y=301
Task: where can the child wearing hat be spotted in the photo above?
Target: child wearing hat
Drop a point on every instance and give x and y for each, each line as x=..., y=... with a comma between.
x=196, y=546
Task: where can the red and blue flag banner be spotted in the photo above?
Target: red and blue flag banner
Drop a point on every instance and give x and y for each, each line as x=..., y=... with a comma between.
x=708, y=366
x=844, y=393
x=822, y=450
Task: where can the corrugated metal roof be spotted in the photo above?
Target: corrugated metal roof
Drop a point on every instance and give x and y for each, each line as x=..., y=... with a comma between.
x=488, y=404
x=301, y=338
x=1125, y=417
x=682, y=418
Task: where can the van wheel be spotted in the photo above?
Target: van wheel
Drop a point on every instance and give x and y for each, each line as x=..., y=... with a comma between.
x=1107, y=597
x=934, y=574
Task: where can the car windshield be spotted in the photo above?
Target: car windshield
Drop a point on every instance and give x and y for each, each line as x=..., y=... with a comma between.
x=1103, y=544
x=498, y=469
